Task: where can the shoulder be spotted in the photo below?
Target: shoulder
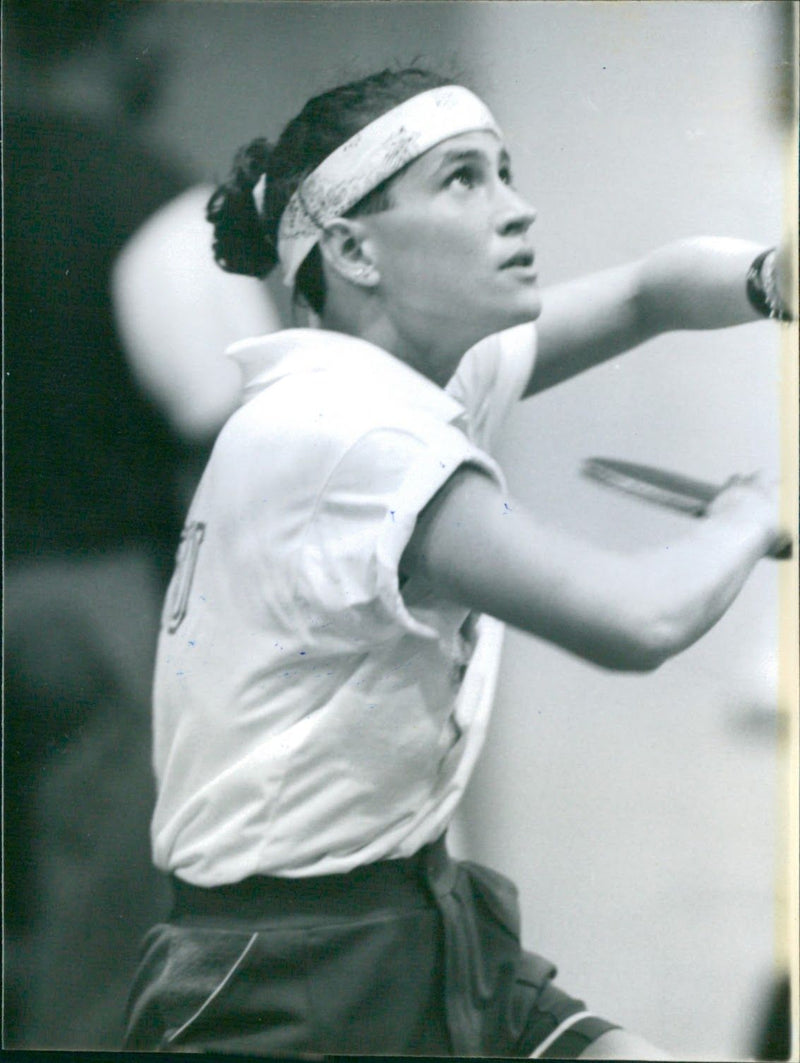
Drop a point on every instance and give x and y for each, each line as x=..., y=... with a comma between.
x=503, y=360
x=492, y=377
x=331, y=389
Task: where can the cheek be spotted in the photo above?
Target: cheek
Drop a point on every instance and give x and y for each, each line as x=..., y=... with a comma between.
x=457, y=262
x=409, y=252
x=429, y=267
x=427, y=261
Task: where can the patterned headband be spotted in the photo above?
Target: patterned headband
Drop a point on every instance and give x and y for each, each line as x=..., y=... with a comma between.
x=376, y=152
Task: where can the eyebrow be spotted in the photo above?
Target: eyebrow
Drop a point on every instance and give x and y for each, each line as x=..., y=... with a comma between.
x=471, y=155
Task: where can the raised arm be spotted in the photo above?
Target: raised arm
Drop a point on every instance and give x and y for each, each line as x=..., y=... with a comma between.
x=623, y=612
x=700, y=283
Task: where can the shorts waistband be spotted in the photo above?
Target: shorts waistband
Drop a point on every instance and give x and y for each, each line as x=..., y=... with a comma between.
x=407, y=882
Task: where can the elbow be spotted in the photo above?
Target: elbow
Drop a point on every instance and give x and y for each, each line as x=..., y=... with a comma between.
x=646, y=657
x=641, y=648
x=651, y=622
x=634, y=658
x=657, y=640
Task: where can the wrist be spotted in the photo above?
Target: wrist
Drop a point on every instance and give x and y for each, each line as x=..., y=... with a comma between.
x=754, y=532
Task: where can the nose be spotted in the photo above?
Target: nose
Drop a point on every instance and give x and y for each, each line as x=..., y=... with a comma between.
x=516, y=214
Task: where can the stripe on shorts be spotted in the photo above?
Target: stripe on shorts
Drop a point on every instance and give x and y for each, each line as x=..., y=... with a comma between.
x=585, y=1024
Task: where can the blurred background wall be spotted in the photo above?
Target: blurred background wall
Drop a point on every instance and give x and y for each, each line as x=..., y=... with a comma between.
x=639, y=815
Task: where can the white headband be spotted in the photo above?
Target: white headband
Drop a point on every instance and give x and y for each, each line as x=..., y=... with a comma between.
x=376, y=152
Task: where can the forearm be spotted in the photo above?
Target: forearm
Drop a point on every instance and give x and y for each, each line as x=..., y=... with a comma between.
x=690, y=583
x=629, y=612
x=620, y=611
x=698, y=283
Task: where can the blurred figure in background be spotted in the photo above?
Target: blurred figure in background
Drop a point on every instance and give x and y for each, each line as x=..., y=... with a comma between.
x=95, y=469
x=176, y=311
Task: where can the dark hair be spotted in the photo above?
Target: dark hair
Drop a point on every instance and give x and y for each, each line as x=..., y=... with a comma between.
x=246, y=242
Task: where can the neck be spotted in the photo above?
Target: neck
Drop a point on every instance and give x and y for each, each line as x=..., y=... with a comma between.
x=436, y=360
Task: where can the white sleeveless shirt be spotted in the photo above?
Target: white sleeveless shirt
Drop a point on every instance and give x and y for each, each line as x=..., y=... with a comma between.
x=309, y=715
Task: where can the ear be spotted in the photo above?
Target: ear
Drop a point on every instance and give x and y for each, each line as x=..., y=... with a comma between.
x=347, y=249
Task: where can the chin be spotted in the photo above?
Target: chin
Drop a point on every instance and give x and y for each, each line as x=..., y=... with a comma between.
x=532, y=304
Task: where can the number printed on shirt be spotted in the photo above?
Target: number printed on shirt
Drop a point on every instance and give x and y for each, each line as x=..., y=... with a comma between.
x=185, y=562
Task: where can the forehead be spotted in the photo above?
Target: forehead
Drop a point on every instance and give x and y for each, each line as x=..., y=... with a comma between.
x=478, y=145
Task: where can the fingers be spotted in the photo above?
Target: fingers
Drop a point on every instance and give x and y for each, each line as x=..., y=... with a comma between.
x=746, y=488
x=754, y=498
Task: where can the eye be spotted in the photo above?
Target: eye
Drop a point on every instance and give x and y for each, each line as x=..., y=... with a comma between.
x=465, y=176
x=505, y=175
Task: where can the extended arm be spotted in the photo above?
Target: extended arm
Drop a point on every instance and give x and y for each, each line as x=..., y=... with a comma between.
x=626, y=612
x=698, y=283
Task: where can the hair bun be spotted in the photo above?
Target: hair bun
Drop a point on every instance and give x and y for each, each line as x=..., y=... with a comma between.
x=241, y=241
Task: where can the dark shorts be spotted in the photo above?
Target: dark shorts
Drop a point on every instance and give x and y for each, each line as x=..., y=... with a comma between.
x=405, y=957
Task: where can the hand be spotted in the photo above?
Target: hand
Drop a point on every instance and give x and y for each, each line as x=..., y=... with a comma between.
x=754, y=498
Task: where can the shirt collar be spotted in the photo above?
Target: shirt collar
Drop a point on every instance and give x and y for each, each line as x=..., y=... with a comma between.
x=264, y=360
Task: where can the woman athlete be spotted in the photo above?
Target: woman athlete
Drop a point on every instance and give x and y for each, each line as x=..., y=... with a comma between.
x=331, y=633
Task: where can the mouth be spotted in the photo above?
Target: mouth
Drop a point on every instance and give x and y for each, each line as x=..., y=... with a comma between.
x=523, y=259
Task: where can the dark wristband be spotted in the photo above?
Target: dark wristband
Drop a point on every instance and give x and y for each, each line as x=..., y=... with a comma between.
x=762, y=291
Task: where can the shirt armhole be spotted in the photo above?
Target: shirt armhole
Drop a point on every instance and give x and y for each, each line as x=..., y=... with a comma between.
x=348, y=572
